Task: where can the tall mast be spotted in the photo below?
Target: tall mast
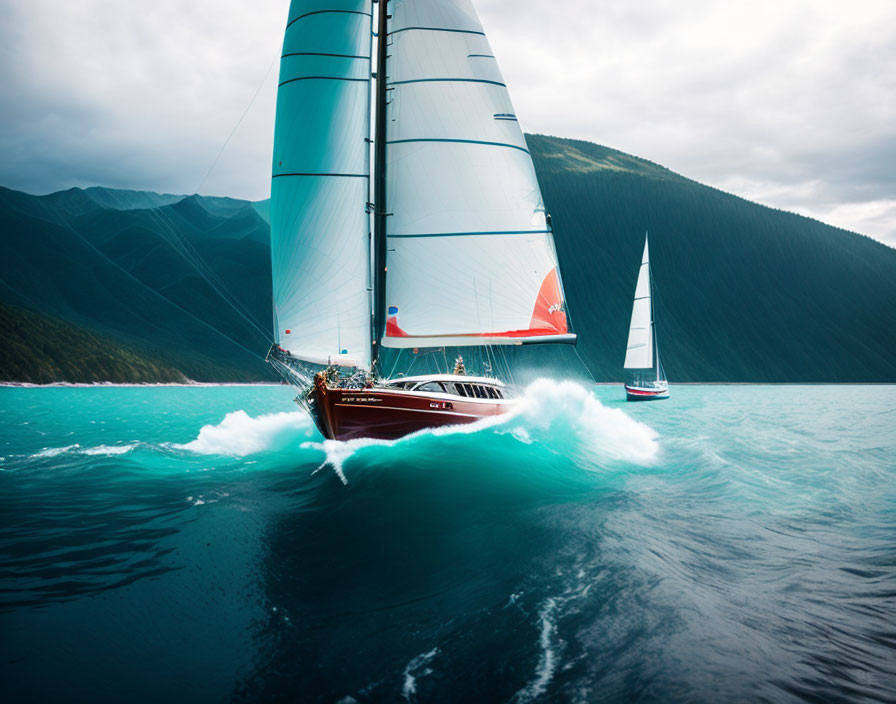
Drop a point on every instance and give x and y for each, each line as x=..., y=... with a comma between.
x=379, y=184
x=656, y=344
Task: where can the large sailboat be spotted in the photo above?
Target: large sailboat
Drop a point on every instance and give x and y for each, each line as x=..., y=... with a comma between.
x=646, y=381
x=405, y=213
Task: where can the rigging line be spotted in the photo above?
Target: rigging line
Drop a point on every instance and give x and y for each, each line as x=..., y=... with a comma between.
x=194, y=259
x=238, y=123
x=159, y=295
x=66, y=224
x=656, y=300
x=582, y=362
x=395, y=364
x=220, y=287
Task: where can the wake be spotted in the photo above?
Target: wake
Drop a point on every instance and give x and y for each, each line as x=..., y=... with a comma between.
x=563, y=417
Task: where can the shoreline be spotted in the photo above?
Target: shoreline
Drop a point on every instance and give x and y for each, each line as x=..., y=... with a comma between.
x=148, y=385
x=208, y=384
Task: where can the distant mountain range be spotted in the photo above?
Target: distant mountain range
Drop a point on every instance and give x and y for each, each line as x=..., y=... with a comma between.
x=113, y=285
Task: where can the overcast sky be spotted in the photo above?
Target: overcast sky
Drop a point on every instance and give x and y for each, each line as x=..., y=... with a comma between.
x=791, y=103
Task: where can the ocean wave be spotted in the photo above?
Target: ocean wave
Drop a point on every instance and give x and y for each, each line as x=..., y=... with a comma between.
x=55, y=451
x=547, y=661
x=240, y=434
x=562, y=416
x=110, y=450
x=99, y=450
x=417, y=667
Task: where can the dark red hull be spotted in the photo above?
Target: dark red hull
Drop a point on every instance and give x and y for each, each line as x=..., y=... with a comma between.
x=388, y=414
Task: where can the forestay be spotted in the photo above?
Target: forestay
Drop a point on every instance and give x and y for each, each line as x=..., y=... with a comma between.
x=320, y=186
x=639, y=353
x=470, y=253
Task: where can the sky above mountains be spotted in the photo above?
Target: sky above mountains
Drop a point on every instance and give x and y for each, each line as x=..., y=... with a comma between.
x=792, y=104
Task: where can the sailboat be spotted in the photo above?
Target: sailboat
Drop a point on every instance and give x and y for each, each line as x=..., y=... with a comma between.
x=405, y=214
x=647, y=381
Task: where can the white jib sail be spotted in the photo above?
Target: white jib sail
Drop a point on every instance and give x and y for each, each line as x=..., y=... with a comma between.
x=639, y=353
x=319, y=191
x=470, y=255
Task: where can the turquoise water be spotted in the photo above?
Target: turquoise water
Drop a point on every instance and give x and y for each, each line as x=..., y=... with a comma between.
x=733, y=543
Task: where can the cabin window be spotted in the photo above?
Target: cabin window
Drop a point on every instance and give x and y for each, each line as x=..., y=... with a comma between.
x=480, y=391
x=431, y=386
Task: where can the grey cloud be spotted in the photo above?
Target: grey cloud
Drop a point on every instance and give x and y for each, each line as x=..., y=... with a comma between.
x=792, y=104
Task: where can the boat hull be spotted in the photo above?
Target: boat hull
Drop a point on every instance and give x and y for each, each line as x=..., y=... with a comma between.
x=388, y=414
x=634, y=393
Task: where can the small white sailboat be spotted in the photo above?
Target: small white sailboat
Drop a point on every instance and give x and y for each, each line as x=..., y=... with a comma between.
x=647, y=381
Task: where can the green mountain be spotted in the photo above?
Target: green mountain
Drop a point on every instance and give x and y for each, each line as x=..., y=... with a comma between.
x=154, y=279
x=39, y=349
x=744, y=292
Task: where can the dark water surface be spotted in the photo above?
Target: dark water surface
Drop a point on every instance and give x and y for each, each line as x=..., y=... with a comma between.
x=735, y=543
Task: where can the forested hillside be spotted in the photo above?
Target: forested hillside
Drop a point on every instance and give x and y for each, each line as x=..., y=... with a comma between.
x=38, y=349
x=744, y=292
x=152, y=278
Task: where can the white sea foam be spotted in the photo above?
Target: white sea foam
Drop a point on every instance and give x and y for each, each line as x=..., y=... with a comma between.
x=416, y=668
x=552, y=411
x=239, y=434
x=55, y=451
x=336, y=452
x=76, y=449
x=547, y=660
x=110, y=449
x=99, y=450
x=564, y=415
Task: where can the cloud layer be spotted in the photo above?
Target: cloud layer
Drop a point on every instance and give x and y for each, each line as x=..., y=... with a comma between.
x=790, y=104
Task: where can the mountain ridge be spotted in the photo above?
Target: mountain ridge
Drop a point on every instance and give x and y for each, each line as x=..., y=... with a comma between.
x=745, y=292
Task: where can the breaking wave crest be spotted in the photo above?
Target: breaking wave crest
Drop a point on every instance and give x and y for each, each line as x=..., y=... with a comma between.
x=76, y=449
x=239, y=434
x=567, y=411
x=561, y=416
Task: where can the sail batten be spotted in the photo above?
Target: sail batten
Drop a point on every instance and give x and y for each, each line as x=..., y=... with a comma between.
x=474, y=234
x=436, y=29
x=471, y=258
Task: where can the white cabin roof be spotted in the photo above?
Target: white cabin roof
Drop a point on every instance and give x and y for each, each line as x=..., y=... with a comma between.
x=460, y=378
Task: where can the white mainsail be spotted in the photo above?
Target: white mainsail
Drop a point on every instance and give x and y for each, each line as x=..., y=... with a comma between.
x=470, y=252
x=639, y=353
x=320, y=226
